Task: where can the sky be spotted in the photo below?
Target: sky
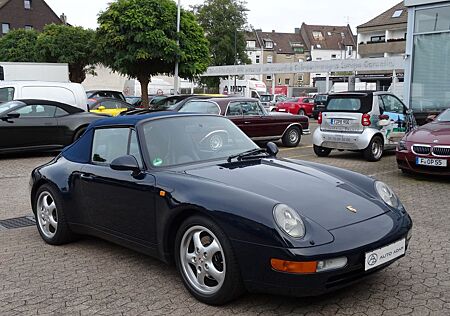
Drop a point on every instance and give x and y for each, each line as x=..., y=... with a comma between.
x=268, y=15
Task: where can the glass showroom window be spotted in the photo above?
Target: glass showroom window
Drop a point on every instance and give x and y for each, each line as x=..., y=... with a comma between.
x=430, y=89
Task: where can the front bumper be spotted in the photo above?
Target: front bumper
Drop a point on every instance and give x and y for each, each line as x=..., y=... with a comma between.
x=259, y=277
x=346, y=141
x=406, y=160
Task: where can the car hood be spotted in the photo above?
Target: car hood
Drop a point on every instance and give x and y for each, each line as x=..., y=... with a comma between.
x=430, y=133
x=320, y=196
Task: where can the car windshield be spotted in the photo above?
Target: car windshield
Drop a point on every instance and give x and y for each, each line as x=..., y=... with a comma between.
x=321, y=98
x=266, y=98
x=191, y=139
x=444, y=117
x=9, y=105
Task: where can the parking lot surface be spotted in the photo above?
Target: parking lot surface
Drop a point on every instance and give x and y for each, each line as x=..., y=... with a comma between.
x=95, y=277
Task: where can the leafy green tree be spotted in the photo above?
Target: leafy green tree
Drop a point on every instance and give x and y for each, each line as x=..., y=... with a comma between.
x=138, y=38
x=68, y=44
x=19, y=46
x=224, y=22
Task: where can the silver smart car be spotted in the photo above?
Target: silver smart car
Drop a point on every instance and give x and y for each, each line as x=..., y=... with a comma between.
x=370, y=122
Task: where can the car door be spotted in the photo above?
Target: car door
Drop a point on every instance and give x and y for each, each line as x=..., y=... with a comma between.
x=256, y=122
x=35, y=126
x=119, y=203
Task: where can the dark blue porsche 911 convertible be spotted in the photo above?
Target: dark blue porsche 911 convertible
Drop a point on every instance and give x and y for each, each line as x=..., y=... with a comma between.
x=195, y=190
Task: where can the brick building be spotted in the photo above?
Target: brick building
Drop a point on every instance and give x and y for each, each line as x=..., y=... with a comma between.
x=28, y=14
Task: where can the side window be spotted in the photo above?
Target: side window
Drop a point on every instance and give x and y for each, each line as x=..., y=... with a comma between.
x=37, y=111
x=200, y=107
x=60, y=112
x=133, y=149
x=6, y=94
x=392, y=104
x=110, y=105
x=234, y=109
x=109, y=144
x=251, y=109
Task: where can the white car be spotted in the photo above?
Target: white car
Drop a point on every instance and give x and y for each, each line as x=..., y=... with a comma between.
x=370, y=122
x=63, y=92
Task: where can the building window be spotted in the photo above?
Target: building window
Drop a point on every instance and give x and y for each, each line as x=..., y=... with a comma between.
x=27, y=4
x=269, y=44
x=251, y=44
x=377, y=39
x=257, y=59
x=268, y=77
x=349, y=50
x=287, y=81
x=319, y=46
x=269, y=59
x=300, y=78
x=318, y=58
x=317, y=35
x=28, y=27
x=279, y=80
x=5, y=28
x=397, y=14
x=432, y=20
x=333, y=56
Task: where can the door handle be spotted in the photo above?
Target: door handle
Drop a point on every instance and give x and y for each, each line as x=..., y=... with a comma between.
x=87, y=177
x=247, y=122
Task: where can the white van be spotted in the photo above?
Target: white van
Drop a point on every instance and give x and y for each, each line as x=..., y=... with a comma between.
x=64, y=92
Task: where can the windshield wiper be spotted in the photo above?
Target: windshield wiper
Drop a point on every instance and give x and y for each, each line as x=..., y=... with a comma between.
x=247, y=153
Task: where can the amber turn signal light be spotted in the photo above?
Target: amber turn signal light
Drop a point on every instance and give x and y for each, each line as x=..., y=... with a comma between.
x=294, y=266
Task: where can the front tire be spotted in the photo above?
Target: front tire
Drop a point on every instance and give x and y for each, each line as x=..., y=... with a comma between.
x=206, y=262
x=50, y=217
x=292, y=137
x=322, y=151
x=374, y=151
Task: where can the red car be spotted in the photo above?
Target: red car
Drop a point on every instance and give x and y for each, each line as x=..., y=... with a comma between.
x=300, y=106
x=427, y=148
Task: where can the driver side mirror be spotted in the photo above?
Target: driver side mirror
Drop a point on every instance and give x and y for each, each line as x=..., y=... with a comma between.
x=431, y=118
x=272, y=149
x=126, y=163
x=101, y=108
x=10, y=116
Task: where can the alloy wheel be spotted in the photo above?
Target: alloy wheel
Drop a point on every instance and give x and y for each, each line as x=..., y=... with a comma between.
x=47, y=215
x=203, y=260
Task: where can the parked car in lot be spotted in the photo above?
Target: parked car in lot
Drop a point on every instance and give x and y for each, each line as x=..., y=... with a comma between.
x=41, y=125
x=64, y=92
x=98, y=94
x=232, y=216
x=300, y=106
x=249, y=115
x=270, y=101
x=109, y=106
x=427, y=148
x=370, y=122
x=320, y=101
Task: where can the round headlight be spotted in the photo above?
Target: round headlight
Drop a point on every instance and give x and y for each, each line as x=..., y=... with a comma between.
x=289, y=221
x=386, y=194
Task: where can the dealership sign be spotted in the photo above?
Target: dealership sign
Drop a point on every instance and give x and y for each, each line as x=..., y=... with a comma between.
x=337, y=65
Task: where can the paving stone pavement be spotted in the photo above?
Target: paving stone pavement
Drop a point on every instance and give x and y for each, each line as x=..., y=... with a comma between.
x=91, y=276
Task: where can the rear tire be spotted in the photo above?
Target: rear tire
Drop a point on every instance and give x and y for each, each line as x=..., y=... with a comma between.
x=206, y=262
x=302, y=112
x=322, y=151
x=374, y=151
x=292, y=137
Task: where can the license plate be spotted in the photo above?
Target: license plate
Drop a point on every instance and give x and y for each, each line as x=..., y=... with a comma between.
x=339, y=122
x=339, y=139
x=431, y=162
x=385, y=254
x=281, y=110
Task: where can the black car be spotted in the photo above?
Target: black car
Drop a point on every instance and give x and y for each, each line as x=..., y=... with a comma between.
x=195, y=190
x=320, y=101
x=97, y=94
x=38, y=124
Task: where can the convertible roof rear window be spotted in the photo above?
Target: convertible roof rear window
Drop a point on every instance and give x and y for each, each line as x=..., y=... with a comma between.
x=349, y=103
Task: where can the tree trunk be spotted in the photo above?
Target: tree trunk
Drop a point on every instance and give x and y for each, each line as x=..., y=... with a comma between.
x=144, y=81
x=77, y=73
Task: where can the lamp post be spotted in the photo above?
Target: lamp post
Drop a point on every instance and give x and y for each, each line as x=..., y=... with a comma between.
x=176, y=79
